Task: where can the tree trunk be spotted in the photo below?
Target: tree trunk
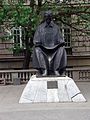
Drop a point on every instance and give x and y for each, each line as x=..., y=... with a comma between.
x=26, y=61
x=27, y=53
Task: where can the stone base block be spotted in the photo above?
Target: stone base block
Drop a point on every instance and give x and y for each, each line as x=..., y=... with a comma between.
x=51, y=89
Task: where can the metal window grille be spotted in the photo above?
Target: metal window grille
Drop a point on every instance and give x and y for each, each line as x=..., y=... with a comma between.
x=66, y=33
x=18, y=36
x=67, y=36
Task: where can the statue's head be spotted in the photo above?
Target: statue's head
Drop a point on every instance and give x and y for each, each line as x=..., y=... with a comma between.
x=48, y=16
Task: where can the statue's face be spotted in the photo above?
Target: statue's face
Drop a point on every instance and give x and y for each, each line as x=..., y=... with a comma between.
x=48, y=16
x=48, y=19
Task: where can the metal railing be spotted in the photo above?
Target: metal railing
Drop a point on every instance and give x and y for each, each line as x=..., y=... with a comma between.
x=8, y=76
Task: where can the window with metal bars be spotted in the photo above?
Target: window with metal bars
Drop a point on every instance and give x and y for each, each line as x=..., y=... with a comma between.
x=67, y=37
x=18, y=38
x=66, y=33
x=17, y=35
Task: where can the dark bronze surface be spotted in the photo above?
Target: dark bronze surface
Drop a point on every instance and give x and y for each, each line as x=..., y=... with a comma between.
x=49, y=55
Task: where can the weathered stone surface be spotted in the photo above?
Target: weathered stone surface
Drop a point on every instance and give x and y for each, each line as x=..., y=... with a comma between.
x=65, y=90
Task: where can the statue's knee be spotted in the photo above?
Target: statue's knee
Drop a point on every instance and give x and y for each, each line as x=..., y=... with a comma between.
x=37, y=49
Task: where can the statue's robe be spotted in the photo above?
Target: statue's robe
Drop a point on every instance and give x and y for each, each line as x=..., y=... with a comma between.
x=49, y=51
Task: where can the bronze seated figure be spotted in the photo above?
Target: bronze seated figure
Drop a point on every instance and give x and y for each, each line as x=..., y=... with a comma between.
x=49, y=55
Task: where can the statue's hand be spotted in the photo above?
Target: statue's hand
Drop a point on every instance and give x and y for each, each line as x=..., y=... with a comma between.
x=38, y=44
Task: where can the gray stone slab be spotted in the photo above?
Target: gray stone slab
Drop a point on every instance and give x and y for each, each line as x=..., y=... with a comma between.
x=52, y=95
x=34, y=92
x=41, y=95
x=79, y=98
x=73, y=92
x=62, y=92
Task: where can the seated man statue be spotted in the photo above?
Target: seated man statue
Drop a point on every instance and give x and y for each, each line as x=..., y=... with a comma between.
x=49, y=55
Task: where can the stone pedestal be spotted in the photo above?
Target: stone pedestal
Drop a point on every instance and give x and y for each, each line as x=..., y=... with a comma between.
x=51, y=89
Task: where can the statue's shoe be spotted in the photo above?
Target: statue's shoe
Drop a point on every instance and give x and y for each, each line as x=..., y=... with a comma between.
x=44, y=73
x=56, y=73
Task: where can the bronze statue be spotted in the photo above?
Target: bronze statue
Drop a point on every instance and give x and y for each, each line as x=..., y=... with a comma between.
x=49, y=55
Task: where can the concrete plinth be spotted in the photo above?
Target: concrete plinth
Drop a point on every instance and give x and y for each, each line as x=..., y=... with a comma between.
x=51, y=89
